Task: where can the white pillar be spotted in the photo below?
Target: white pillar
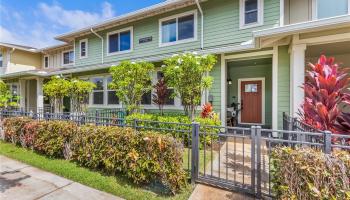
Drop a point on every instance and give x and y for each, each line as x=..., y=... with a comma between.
x=22, y=94
x=39, y=94
x=297, y=75
x=223, y=89
x=275, y=88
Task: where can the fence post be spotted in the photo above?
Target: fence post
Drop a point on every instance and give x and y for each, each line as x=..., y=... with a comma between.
x=327, y=137
x=195, y=152
x=96, y=117
x=252, y=156
x=135, y=124
x=258, y=161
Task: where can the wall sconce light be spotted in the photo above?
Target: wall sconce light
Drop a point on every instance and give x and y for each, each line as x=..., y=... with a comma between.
x=229, y=81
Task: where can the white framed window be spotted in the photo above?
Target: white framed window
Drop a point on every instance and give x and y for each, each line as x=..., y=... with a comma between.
x=177, y=29
x=251, y=13
x=46, y=61
x=98, y=91
x=120, y=41
x=67, y=57
x=83, y=48
x=325, y=8
x=1, y=59
x=112, y=98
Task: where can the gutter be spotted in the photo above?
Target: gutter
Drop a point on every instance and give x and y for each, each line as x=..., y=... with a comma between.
x=92, y=31
x=202, y=23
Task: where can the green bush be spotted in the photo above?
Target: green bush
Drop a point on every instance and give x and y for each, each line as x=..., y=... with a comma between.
x=310, y=174
x=13, y=128
x=143, y=156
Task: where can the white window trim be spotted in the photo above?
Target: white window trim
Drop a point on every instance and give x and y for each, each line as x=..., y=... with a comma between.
x=2, y=58
x=69, y=64
x=315, y=11
x=48, y=61
x=260, y=21
x=86, y=48
x=194, y=12
x=105, y=94
x=262, y=79
x=131, y=29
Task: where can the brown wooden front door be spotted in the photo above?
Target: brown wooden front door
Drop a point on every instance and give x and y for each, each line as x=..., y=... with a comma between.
x=251, y=101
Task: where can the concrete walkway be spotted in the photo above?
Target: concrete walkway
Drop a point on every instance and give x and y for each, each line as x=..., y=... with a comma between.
x=23, y=182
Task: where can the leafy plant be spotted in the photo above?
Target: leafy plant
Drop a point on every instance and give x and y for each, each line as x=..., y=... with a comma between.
x=161, y=95
x=131, y=80
x=79, y=91
x=207, y=110
x=310, y=174
x=7, y=99
x=56, y=89
x=326, y=91
x=187, y=74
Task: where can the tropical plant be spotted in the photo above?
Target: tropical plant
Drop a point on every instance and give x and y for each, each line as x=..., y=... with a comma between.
x=207, y=110
x=187, y=74
x=161, y=95
x=79, y=91
x=131, y=80
x=56, y=89
x=7, y=99
x=326, y=92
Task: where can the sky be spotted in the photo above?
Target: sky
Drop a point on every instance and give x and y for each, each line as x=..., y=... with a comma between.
x=35, y=23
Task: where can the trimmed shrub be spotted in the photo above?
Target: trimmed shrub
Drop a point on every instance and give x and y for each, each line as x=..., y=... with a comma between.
x=141, y=156
x=53, y=137
x=310, y=174
x=13, y=128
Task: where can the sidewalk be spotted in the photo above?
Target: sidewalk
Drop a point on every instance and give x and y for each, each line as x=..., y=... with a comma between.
x=23, y=182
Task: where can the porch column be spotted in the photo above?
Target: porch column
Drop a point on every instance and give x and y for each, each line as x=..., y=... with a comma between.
x=39, y=94
x=223, y=89
x=275, y=88
x=297, y=77
x=22, y=94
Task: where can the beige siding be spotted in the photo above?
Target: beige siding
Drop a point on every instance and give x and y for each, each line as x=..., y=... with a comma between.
x=296, y=11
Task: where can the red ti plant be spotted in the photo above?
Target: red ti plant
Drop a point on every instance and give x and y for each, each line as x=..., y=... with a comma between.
x=326, y=92
x=161, y=95
x=207, y=110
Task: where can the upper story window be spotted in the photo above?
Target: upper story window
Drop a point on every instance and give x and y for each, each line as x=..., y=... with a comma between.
x=68, y=57
x=328, y=8
x=119, y=41
x=251, y=13
x=178, y=28
x=83, y=46
x=1, y=60
x=46, y=62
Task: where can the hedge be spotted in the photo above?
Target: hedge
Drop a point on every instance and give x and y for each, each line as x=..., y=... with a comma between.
x=142, y=156
x=310, y=174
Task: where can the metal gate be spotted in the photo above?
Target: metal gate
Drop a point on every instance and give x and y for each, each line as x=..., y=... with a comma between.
x=230, y=159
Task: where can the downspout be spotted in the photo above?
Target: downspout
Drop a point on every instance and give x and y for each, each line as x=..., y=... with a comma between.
x=92, y=31
x=202, y=23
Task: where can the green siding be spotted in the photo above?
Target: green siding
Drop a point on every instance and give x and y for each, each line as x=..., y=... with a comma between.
x=283, y=83
x=257, y=71
x=216, y=88
x=221, y=20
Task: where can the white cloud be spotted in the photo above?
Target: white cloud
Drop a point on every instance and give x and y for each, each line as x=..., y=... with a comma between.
x=75, y=18
x=51, y=20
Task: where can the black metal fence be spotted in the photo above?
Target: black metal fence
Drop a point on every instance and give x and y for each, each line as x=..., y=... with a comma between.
x=235, y=158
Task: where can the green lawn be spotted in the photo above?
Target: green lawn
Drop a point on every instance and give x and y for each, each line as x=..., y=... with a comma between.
x=201, y=159
x=118, y=186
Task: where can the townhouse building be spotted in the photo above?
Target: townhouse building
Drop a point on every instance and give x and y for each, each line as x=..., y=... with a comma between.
x=262, y=47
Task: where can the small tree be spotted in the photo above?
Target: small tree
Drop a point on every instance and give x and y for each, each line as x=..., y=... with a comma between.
x=187, y=74
x=56, y=89
x=326, y=91
x=161, y=95
x=131, y=81
x=79, y=91
x=6, y=97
